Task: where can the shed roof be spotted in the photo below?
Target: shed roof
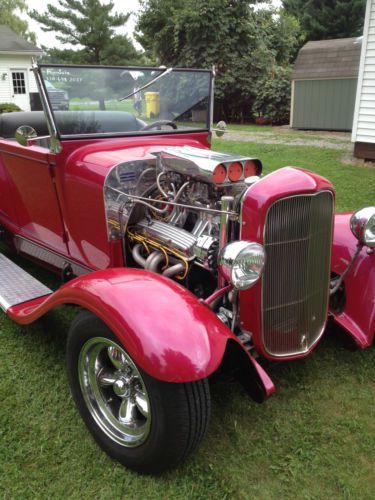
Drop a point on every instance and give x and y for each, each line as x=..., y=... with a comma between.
x=328, y=59
x=11, y=42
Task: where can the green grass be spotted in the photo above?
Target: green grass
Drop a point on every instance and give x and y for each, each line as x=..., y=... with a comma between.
x=355, y=186
x=77, y=104
x=314, y=439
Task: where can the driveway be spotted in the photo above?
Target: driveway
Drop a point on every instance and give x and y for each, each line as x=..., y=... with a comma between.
x=285, y=135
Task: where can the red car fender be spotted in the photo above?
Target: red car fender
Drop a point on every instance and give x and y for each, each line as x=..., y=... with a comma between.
x=170, y=334
x=358, y=315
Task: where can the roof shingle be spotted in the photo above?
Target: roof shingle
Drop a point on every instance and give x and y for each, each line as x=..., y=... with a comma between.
x=328, y=59
x=11, y=42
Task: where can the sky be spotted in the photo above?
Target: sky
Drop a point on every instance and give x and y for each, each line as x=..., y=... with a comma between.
x=48, y=39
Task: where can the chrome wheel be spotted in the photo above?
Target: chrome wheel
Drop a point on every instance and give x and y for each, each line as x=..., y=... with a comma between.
x=114, y=392
x=114, y=398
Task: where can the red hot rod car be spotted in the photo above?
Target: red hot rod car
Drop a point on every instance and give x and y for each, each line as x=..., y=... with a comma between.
x=186, y=263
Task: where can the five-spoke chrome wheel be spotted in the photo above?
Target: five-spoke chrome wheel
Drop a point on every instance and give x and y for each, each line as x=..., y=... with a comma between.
x=114, y=392
x=147, y=424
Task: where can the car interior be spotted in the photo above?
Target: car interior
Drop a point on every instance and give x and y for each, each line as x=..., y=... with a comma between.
x=71, y=122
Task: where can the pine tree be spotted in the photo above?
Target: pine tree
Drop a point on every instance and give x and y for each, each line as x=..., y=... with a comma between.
x=326, y=19
x=9, y=18
x=88, y=24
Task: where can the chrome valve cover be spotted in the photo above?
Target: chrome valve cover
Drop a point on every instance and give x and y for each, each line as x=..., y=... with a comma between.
x=171, y=236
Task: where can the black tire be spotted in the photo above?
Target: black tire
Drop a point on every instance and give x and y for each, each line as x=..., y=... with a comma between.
x=179, y=413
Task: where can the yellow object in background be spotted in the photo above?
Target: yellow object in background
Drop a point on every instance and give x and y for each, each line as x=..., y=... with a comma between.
x=152, y=104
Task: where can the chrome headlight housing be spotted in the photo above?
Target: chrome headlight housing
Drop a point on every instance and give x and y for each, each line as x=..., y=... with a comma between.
x=241, y=263
x=362, y=224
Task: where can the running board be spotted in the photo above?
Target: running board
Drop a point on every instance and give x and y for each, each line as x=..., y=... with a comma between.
x=18, y=286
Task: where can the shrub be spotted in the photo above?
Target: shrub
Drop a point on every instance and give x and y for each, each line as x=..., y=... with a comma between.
x=273, y=96
x=8, y=107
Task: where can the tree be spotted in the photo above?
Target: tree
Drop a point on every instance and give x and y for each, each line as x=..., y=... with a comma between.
x=281, y=33
x=8, y=17
x=118, y=51
x=63, y=56
x=242, y=43
x=88, y=24
x=325, y=19
x=273, y=96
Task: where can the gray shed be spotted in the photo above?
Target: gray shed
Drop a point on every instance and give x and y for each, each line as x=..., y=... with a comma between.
x=324, y=82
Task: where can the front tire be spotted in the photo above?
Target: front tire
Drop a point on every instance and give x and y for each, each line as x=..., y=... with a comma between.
x=146, y=424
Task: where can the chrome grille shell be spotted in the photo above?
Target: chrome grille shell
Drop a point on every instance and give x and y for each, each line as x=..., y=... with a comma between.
x=295, y=283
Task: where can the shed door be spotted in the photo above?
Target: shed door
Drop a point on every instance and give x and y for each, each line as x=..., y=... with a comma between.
x=324, y=104
x=20, y=88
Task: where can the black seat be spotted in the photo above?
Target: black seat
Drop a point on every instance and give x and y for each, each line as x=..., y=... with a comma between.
x=9, y=123
x=95, y=122
x=70, y=122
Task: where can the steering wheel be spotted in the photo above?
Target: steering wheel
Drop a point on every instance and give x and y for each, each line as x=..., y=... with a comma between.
x=158, y=123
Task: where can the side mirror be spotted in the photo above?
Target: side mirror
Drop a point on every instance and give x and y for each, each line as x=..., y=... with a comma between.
x=220, y=129
x=24, y=133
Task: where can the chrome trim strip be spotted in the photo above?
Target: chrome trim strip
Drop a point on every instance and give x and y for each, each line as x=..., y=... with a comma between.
x=212, y=98
x=47, y=108
x=48, y=256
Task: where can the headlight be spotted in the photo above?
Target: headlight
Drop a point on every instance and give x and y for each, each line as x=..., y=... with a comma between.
x=241, y=263
x=362, y=224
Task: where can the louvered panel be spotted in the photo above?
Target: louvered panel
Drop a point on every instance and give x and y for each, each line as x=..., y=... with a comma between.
x=298, y=239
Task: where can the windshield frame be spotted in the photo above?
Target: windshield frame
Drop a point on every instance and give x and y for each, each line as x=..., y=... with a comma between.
x=51, y=119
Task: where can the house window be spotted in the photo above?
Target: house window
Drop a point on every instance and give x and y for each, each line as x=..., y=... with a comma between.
x=19, y=86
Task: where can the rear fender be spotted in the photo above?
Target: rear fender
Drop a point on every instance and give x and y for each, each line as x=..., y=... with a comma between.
x=170, y=334
x=358, y=313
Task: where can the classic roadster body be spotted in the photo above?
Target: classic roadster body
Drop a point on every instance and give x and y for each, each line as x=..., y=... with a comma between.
x=186, y=263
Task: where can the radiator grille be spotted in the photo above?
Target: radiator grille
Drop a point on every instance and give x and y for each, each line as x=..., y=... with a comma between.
x=298, y=239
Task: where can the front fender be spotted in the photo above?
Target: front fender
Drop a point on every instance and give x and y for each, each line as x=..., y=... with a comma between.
x=167, y=331
x=358, y=314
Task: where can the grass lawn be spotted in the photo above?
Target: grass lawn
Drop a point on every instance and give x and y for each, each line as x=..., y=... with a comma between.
x=314, y=439
x=355, y=186
x=77, y=104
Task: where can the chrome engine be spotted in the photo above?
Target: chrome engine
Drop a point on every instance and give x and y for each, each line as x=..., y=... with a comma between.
x=178, y=213
x=173, y=209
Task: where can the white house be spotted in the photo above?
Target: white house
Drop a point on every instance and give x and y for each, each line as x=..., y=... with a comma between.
x=363, y=134
x=17, y=83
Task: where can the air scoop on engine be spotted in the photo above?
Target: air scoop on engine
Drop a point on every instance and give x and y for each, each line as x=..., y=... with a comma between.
x=209, y=166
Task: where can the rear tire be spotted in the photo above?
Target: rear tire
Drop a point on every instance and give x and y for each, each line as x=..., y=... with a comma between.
x=146, y=424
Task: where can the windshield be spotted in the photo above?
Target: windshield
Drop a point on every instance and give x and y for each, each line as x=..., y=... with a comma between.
x=120, y=101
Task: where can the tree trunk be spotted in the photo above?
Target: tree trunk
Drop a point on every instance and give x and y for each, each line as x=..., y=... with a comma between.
x=101, y=104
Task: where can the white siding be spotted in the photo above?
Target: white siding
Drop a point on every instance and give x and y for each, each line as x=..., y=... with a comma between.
x=11, y=62
x=364, y=113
